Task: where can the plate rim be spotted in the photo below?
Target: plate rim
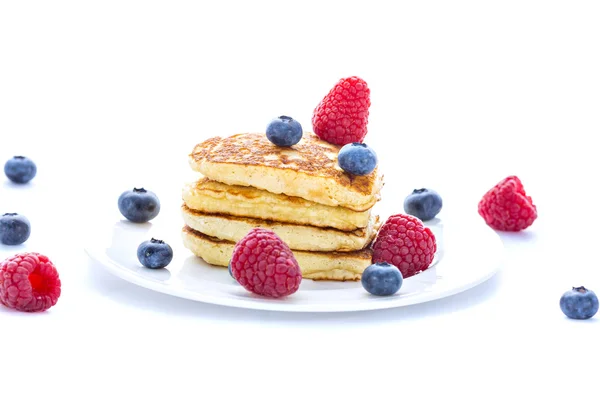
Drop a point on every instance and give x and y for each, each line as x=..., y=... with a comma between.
x=376, y=303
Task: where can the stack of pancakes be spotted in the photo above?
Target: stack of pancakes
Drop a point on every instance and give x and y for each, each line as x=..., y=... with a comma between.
x=322, y=213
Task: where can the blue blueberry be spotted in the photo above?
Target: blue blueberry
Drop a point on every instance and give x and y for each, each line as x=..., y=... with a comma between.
x=230, y=271
x=424, y=204
x=139, y=205
x=14, y=229
x=20, y=169
x=579, y=303
x=357, y=159
x=381, y=279
x=284, y=131
x=154, y=254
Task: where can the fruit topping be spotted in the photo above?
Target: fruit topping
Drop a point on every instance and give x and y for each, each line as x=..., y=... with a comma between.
x=342, y=116
x=263, y=264
x=154, y=254
x=381, y=279
x=405, y=242
x=357, y=159
x=284, y=131
x=424, y=204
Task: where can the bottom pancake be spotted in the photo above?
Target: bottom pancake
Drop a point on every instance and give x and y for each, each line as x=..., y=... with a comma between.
x=337, y=266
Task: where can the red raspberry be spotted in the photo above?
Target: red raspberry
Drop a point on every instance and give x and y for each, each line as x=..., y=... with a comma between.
x=29, y=282
x=406, y=243
x=342, y=116
x=265, y=265
x=506, y=206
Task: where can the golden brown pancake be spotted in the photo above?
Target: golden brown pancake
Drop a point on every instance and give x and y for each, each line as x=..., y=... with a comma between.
x=336, y=266
x=307, y=170
x=297, y=237
x=212, y=197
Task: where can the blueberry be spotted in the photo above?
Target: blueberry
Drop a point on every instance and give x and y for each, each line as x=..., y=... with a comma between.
x=424, y=204
x=284, y=131
x=357, y=159
x=14, y=229
x=579, y=303
x=230, y=271
x=20, y=169
x=139, y=205
x=154, y=254
x=381, y=279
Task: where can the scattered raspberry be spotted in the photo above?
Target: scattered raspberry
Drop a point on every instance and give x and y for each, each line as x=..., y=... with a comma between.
x=506, y=206
x=342, y=116
x=29, y=282
x=406, y=243
x=265, y=265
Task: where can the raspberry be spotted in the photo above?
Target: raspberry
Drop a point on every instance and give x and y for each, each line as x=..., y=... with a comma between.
x=29, y=282
x=265, y=265
x=406, y=243
x=506, y=206
x=342, y=116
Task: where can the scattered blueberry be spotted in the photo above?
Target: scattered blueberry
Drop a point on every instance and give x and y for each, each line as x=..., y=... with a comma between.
x=424, y=204
x=139, y=205
x=357, y=159
x=284, y=131
x=20, y=169
x=154, y=254
x=230, y=271
x=579, y=303
x=381, y=279
x=14, y=229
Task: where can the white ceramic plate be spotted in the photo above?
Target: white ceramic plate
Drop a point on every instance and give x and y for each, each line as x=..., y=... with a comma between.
x=471, y=254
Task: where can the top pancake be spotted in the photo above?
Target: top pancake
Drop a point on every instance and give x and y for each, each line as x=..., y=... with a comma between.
x=308, y=169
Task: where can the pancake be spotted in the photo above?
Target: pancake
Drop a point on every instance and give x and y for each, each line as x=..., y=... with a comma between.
x=337, y=266
x=298, y=237
x=212, y=197
x=308, y=170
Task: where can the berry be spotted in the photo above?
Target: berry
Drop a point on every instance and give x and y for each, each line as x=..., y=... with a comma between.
x=357, y=159
x=579, y=303
x=29, y=282
x=506, y=206
x=263, y=264
x=284, y=131
x=381, y=279
x=406, y=243
x=424, y=204
x=230, y=271
x=342, y=116
x=20, y=169
x=154, y=254
x=14, y=229
x=139, y=205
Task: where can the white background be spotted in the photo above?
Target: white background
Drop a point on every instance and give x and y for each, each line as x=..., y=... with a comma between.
x=109, y=95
